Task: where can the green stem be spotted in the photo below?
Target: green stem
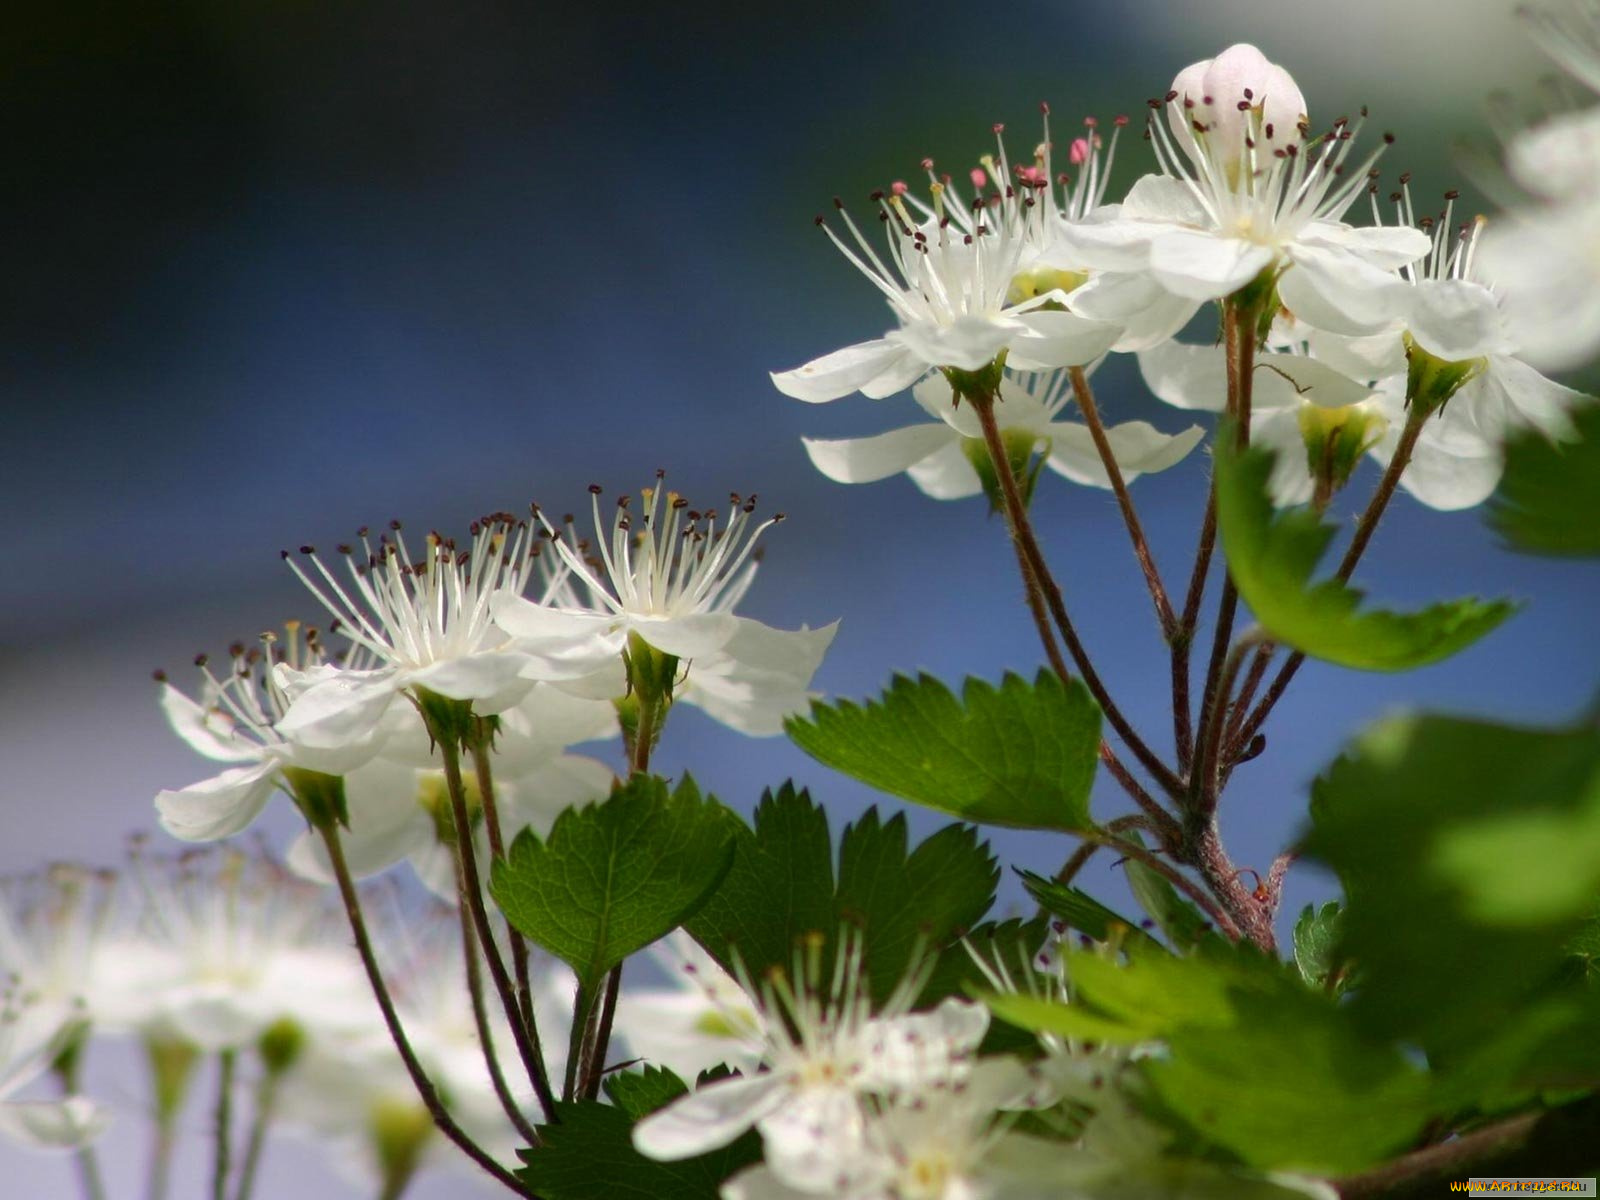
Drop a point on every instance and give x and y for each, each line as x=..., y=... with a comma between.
x=429, y=1095
x=222, y=1130
x=90, y=1180
x=266, y=1109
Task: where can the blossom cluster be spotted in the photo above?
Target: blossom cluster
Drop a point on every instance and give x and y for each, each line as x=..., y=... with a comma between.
x=1035, y=275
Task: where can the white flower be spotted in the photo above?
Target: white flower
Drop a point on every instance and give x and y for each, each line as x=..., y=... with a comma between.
x=939, y=456
x=226, y=946
x=1243, y=193
x=705, y=1020
x=673, y=585
x=966, y=282
x=1285, y=385
x=236, y=720
x=29, y=1043
x=54, y=928
x=824, y=1050
x=425, y=622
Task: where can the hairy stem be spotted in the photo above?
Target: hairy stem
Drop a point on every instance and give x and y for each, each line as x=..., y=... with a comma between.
x=1205, y=901
x=480, y=1019
x=596, y=1066
x=429, y=1095
x=1183, y=636
x=260, y=1123
x=1119, y=487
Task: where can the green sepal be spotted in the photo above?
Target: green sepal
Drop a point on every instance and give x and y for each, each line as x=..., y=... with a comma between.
x=318, y=796
x=1431, y=381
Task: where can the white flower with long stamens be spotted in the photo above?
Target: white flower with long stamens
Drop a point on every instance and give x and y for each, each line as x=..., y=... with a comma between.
x=939, y=456
x=426, y=622
x=237, y=720
x=1246, y=196
x=825, y=1049
x=673, y=584
x=1452, y=314
x=705, y=1020
x=949, y=276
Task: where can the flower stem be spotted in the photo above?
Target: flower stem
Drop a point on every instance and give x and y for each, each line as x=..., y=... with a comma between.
x=602, y=1036
x=480, y=1018
x=1041, y=585
x=85, y=1160
x=1365, y=528
x=266, y=1109
x=519, y=945
x=419, y=1078
x=1206, y=902
x=471, y=895
x=1182, y=639
x=222, y=1124
x=1119, y=487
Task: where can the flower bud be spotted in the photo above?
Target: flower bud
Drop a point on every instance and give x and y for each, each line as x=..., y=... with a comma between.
x=1335, y=439
x=400, y=1130
x=280, y=1046
x=1022, y=449
x=1431, y=381
x=1036, y=281
x=1235, y=96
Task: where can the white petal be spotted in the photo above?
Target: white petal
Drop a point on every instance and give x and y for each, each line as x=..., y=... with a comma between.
x=493, y=680
x=796, y=652
x=208, y=731
x=1386, y=247
x=1148, y=313
x=947, y=475
x=1455, y=319
x=896, y=379
x=1559, y=157
x=1546, y=269
x=1206, y=266
x=1368, y=357
x=386, y=824
x=935, y=397
x=339, y=712
x=1139, y=448
x=548, y=720
x=759, y=1183
x=1290, y=380
x=53, y=1124
x=218, y=807
x=842, y=372
x=814, y=1137
x=686, y=637
x=1527, y=398
x=709, y=1117
x=1060, y=339
x=1333, y=289
x=1449, y=470
x=1279, y=430
x=1161, y=198
x=1188, y=377
x=967, y=343
x=539, y=627
x=869, y=459
x=535, y=798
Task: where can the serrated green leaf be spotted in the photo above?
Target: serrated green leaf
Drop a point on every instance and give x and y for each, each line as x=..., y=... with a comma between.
x=1444, y=833
x=1271, y=558
x=1316, y=942
x=640, y=1093
x=908, y=906
x=588, y=1154
x=1022, y=754
x=1042, y=1015
x=781, y=890
x=1080, y=910
x=613, y=877
x=1180, y=922
x=1549, y=497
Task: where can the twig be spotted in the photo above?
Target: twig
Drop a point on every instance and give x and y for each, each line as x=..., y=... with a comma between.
x=1183, y=637
x=1119, y=487
x=480, y=1018
x=1206, y=902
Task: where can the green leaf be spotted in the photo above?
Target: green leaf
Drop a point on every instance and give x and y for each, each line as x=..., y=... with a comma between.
x=1021, y=754
x=1008, y=949
x=1290, y=1084
x=640, y=1093
x=588, y=1154
x=615, y=876
x=905, y=905
x=1316, y=941
x=909, y=905
x=1080, y=910
x=1470, y=858
x=779, y=889
x=1550, y=493
x=1271, y=558
x=1180, y=921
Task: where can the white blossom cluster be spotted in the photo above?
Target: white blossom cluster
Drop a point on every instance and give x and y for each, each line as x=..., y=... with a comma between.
x=1033, y=270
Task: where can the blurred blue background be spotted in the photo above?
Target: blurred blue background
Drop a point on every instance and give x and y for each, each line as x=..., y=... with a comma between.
x=277, y=270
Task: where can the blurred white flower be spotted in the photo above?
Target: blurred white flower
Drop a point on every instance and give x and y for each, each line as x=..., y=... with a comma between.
x=30, y=1040
x=939, y=456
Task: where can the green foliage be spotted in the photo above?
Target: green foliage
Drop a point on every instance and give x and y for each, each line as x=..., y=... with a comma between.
x=1180, y=922
x=781, y=891
x=1080, y=910
x=615, y=876
x=1316, y=946
x=1549, y=497
x=1021, y=754
x=1271, y=558
x=1470, y=857
x=588, y=1154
